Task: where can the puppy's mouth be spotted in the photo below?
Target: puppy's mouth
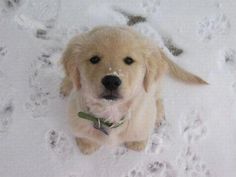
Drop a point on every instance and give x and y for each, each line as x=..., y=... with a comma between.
x=110, y=96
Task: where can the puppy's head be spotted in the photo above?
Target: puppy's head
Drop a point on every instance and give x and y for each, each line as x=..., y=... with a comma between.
x=112, y=63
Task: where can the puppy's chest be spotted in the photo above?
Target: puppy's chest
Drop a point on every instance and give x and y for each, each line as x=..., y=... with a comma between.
x=112, y=113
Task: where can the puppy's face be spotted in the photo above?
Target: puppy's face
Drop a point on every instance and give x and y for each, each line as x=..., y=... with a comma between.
x=110, y=63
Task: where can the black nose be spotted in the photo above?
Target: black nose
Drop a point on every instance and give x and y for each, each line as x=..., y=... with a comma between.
x=111, y=82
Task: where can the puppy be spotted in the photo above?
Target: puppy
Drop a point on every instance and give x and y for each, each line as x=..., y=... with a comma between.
x=113, y=79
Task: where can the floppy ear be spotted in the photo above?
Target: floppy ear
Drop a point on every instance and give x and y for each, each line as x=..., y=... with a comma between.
x=69, y=62
x=180, y=73
x=156, y=67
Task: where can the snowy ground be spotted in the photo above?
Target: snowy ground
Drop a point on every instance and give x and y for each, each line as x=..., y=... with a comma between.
x=198, y=138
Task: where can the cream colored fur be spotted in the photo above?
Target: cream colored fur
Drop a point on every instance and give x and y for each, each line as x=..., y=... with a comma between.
x=141, y=104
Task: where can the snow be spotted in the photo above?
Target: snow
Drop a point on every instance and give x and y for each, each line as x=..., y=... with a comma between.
x=198, y=138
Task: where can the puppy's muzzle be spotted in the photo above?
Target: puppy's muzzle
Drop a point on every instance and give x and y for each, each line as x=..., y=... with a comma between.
x=111, y=84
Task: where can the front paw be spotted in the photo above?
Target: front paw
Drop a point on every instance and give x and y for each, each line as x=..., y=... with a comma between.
x=136, y=145
x=86, y=146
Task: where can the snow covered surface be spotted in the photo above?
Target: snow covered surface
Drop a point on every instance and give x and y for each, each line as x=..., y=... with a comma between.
x=198, y=138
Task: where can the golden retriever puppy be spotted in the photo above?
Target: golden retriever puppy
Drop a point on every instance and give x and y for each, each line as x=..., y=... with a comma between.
x=113, y=80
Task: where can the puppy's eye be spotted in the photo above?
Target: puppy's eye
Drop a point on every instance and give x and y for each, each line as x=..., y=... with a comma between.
x=95, y=60
x=128, y=60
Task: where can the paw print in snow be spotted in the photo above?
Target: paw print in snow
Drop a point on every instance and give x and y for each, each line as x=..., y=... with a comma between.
x=135, y=173
x=44, y=58
x=12, y=3
x=193, y=127
x=6, y=116
x=38, y=104
x=45, y=11
x=227, y=61
x=211, y=27
x=59, y=143
x=39, y=14
x=162, y=169
x=150, y=6
x=155, y=145
x=159, y=140
x=119, y=152
x=191, y=165
x=48, y=58
x=38, y=100
x=229, y=58
x=3, y=51
x=44, y=83
x=153, y=169
x=41, y=34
